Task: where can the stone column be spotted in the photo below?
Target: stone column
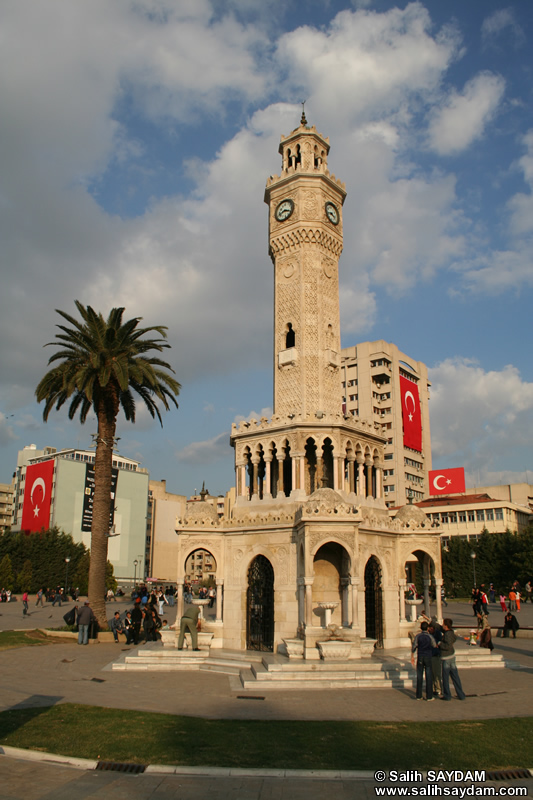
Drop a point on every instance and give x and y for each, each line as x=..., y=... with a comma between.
x=335, y=473
x=267, y=488
x=354, y=583
x=438, y=597
x=368, y=470
x=361, y=489
x=281, y=486
x=345, y=608
x=179, y=610
x=402, y=583
x=301, y=602
x=220, y=587
x=293, y=468
x=243, y=480
x=255, y=482
x=427, y=609
x=379, y=473
x=351, y=474
x=308, y=582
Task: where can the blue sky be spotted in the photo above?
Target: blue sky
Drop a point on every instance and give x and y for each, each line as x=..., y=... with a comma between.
x=137, y=138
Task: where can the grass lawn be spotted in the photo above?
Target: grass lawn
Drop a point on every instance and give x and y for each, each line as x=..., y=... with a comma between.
x=132, y=736
x=10, y=639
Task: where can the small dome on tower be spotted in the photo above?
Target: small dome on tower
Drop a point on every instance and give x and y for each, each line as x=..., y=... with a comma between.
x=412, y=516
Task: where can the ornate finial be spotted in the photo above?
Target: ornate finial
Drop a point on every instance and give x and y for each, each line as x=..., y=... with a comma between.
x=204, y=492
x=303, y=120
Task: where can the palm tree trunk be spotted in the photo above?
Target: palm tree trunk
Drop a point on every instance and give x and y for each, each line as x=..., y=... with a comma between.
x=103, y=465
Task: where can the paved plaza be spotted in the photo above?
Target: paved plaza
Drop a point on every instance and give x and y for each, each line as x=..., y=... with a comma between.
x=42, y=676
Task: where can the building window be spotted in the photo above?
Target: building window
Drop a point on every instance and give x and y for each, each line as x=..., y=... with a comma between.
x=462, y=516
x=389, y=456
x=499, y=513
x=480, y=516
x=471, y=516
x=490, y=513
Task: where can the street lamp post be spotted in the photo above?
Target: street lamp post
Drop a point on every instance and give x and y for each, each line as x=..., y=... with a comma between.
x=473, y=555
x=135, y=574
x=67, y=561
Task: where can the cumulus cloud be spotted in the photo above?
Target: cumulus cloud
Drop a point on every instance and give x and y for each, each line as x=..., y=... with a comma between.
x=478, y=416
x=205, y=452
x=464, y=115
x=495, y=24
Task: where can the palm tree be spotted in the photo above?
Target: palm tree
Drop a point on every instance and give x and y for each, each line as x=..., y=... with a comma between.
x=102, y=363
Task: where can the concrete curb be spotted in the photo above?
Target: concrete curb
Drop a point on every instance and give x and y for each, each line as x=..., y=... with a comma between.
x=49, y=758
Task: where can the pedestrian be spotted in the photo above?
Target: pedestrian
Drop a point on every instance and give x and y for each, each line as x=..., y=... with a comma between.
x=529, y=591
x=189, y=622
x=449, y=667
x=492, y=593
x=40, y=599
x=436, y=667
x=136, y=619
x=149, y=625
x=502, y=602
x=211, y=594
x=485, y=639
x=25, y=598
x=443, y=596
x=518, y=598
x=423, y=646
x=128, y=628
x=510, y=623
x=57, y=597
x=116, y=626
x=85, y=617
x=484, y=600
x=512, y=600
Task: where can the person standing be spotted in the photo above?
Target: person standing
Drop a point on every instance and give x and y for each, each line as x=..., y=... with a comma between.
x=518, y=598
x=502, y=603
x=136, y=619
x=40, y=598
x=116, y=626
x=449, y=667
x=485, y=639
x=85, y=618
x=529, y=591
x=512, y=600
x=212, y=595
x=25, y=598
x=423, y=646
x=189, y=622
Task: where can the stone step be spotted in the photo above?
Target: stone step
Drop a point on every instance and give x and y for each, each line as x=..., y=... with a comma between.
x=325, y=683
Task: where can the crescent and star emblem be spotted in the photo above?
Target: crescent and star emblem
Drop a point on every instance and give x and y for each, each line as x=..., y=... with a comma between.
x=411, y=397
x=437, y=478
x=38, y=482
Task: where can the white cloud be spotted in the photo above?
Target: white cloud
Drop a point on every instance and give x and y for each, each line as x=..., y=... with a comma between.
x=503, y=19
x=7, y=434
x=464, y=116
x=478, y=416
x=205, y=452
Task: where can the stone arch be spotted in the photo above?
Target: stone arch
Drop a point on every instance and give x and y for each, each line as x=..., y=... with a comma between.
x=331, y=574
x=192, y=550
x=421, y=570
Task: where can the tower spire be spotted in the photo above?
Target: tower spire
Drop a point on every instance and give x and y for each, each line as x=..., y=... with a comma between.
x=303, y=120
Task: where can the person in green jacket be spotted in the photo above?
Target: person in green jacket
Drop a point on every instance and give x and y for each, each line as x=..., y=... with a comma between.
x=189, y=622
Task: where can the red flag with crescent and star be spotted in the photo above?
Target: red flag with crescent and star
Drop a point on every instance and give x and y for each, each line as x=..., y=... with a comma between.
x=411, y=415
x=447, y=481
x=37, y=495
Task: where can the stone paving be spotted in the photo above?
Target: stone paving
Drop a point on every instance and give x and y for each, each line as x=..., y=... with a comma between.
x=42, y=676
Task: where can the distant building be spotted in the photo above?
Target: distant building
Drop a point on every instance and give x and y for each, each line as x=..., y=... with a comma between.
x=371, y=373
x=7, y=493
x=164, y=511
x=468, y=515
x=55, y=488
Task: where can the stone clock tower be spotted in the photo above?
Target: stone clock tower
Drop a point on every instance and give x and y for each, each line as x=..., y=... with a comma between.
x=305, y=238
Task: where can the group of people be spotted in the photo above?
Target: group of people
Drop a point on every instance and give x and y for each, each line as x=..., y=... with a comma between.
x=434, y=654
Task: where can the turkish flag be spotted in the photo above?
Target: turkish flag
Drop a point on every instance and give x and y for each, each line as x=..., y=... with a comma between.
x=37, y=496
x=411, y=415
x=447, y=481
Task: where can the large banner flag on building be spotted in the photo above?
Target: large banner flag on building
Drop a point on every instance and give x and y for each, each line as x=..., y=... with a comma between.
x=411, y=415
x=88, y=498
x=447, y=481
x=37, y=496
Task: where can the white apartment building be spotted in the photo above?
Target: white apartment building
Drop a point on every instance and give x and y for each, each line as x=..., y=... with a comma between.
x=371, y=388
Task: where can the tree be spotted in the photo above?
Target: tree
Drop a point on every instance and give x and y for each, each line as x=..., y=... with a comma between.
x=103, y=362
x=6, y=573
x=24, y=577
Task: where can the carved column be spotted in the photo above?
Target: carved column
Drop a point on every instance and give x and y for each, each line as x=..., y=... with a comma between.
x=351, y=474
x=301, y=602
x=255, y=476
x=354, y=583
x=345, y=607
x=294, y=464
x=308, y=601
x=402, y=583
x=336, y=472
x=302, y=472
x=319, y=474
x=368, y=471
x=267, y=488
x=361, y=488
x=281, y=486
x=379, y=473
x=438, y=596
x=220, y=587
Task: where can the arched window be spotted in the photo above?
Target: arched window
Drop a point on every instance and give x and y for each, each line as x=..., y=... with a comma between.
x=290, y=337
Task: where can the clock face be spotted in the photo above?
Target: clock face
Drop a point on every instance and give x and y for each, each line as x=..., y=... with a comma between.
x=284, y=210
x=332, y=213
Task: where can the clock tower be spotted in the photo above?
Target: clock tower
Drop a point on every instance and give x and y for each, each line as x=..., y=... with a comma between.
x=305, y=242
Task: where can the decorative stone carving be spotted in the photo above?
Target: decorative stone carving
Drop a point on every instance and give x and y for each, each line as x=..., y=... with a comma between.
x=198, y=513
